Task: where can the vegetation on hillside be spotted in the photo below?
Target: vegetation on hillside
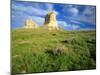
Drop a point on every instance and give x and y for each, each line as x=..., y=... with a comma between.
x=49, y=51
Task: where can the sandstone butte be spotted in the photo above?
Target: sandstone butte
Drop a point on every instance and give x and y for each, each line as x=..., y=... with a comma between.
x=30, y=24
x=50, y=22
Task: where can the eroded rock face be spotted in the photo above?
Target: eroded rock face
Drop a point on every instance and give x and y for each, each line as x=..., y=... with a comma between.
x=50, y=21
x=30, y=24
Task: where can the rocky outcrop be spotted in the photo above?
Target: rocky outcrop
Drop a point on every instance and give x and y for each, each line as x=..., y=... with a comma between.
x=30, y=24
x=50, y=21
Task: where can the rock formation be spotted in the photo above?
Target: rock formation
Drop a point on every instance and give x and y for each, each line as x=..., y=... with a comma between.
x=50, y=21
x=30, y=24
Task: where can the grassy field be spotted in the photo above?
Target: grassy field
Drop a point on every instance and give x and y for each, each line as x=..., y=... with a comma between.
x=49, y=51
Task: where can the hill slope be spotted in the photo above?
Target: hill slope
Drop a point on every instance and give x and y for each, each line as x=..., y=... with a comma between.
x=46, y=51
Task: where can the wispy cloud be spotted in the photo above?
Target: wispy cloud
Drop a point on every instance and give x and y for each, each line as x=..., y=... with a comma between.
x=38, y=20
x=62, y=24
x=29, y=10
x=35, y=9
x=75, y=27
x=70, y=10
x=65, y=25
x=73, y=11
x=88, y=15
x=80, y=13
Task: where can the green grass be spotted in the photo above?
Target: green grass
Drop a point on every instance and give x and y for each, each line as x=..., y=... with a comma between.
x=48, y=51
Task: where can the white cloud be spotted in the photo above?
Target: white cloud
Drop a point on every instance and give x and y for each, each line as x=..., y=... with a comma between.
x=70, y=9
x=89, y=10
x=62, y=23
x=73, y=11
x=37, y=19
x=86, y=29
x=90, y=20
x=29, y=10
x=34, y=10
x=75, y=21
x=87, y=15
x=18, y=7
x=75, y=27
x=49, y=7
x=65, y=25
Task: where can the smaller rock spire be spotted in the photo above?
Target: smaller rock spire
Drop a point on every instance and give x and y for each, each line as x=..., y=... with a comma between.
x=30, y=24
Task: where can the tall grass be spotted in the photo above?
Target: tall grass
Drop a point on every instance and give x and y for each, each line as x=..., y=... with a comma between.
x=48, y=51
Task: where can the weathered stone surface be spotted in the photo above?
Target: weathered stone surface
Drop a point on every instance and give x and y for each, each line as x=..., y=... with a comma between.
x=30, y=24
x=50, y=21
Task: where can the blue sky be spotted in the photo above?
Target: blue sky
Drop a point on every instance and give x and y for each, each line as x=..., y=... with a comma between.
x=69, y=16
